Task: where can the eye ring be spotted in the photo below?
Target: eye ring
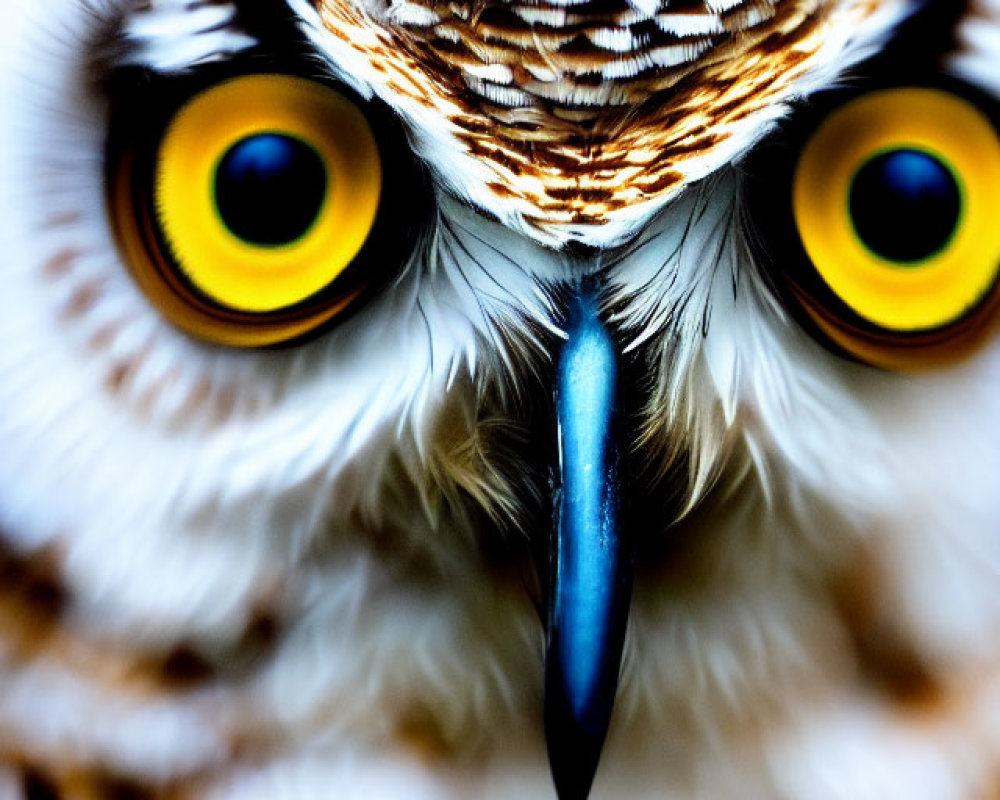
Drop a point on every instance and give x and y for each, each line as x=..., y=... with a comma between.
x=233, y=273
x=916, y=297
x=251, y=278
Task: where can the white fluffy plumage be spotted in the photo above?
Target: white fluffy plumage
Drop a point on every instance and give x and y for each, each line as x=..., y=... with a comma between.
x=344, y=491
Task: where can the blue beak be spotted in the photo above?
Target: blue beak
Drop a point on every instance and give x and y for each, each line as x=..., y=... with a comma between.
x=592, y=563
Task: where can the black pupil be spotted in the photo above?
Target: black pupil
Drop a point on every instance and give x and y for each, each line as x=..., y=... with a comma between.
x=269, y=189
x=905, y=205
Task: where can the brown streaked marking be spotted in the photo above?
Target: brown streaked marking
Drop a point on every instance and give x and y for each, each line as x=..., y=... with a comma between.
x=119, y=375
x=184, y=668
x=187, y=666
x=101, y=339
x=127, y=789
x=37, y=786
x=500, y=189
x=32, y=594
x=82, y=299
x=662, y=182
x=501, y=158
x=64, y=220
x=61, y=262
x=545, y=151
x=887, y=659
x=33, y=602
x=224, y=407
x=582, y=195
x=198, y=397
x=420, y=732
x=66, y=781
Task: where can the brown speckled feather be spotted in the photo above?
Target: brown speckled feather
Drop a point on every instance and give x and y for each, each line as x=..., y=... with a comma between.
x=585, y=109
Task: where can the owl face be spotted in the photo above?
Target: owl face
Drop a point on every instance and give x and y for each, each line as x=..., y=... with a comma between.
x=388, y=391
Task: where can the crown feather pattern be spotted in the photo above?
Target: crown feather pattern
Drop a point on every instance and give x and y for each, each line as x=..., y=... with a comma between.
x=584, y=119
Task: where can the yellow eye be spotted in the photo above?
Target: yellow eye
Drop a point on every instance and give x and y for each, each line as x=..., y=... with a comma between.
x=896, y=199
x=245, y=222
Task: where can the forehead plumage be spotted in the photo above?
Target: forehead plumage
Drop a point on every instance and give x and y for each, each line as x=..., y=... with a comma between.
x=594, y=112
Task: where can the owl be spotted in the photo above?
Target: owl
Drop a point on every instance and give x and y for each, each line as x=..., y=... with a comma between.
x=433, y=400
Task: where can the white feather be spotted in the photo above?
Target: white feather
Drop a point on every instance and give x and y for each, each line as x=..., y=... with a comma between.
x=185, y=486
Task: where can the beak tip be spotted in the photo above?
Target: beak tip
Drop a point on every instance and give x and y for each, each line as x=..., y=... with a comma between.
x=575, y=739
x=573, y=760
